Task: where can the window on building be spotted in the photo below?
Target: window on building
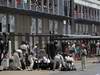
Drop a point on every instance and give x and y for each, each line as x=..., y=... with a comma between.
x=80, y=28
x=90, y=13
x=69, y=8
x=81, y=11
x=45, y=3
x=33, y=27
x=56, y=6
x=3, y=2
x=55, y=3
x=65, y=8
x=86, y=12
x=97, y=15
x=50, y=4
x=84, y=27
x=87, y=28
x=26, y=4
x=45, y=6
x=18, y=2
x=11, y=3
x=94, y=14
x=39, y=25
x=69, y=26
x=76, y=28
x=93, y=28
x=0, y=22
x=75, y=7
x=4, y=23
x=78, y=11
x=36, y=2
x=56, y=26
x=51, y=25
x=39, y=2
x=11, y=23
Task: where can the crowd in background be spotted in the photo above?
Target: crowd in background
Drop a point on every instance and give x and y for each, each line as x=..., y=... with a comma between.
x=25, y=59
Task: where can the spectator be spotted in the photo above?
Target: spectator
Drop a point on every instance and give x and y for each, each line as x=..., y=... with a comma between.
x=83, y=54
x=16, y=59
x=5, y=62
x=98, y=48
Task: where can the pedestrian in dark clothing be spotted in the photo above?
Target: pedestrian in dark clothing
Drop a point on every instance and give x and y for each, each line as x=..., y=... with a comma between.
x=51, y=50
x=1, y=49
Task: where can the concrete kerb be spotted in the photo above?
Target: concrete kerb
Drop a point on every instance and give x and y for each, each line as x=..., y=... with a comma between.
x=36, y=72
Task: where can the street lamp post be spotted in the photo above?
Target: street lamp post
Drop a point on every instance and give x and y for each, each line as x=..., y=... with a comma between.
x=8, y=42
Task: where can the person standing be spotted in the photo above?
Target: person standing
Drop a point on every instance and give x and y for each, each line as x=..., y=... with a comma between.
x=77, y=52
x=98, y=51
x=98, y=48
x=83, y=54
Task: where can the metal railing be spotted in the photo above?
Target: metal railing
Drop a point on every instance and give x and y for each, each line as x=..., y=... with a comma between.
x=28, y=6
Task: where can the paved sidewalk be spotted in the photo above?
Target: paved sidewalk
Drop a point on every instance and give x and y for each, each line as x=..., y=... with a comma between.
x=89, y=60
